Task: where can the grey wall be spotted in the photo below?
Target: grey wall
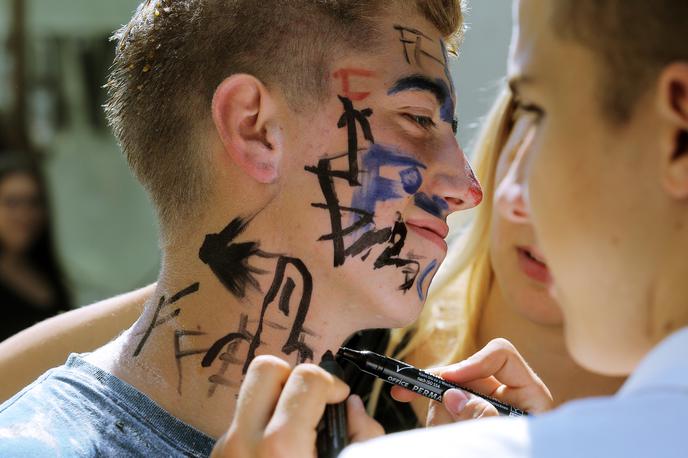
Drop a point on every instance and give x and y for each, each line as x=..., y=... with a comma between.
x=103, y=223
x=481, y=65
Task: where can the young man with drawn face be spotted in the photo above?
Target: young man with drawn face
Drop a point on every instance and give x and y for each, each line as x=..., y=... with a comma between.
x=302, y=159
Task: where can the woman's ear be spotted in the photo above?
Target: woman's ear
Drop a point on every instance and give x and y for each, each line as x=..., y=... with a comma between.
x=673, y=108
x=244, y=114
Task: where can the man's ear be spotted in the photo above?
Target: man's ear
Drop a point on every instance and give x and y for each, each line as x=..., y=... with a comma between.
x=673, y=109
x=244, y=114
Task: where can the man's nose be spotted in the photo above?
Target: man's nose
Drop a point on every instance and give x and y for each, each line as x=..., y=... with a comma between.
x=456, y=183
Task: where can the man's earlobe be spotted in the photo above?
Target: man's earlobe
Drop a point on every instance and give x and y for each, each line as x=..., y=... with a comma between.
x=244, y=114
x=673, y=101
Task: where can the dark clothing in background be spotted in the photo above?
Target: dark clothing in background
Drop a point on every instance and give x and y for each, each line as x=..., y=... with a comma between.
x=18, y=313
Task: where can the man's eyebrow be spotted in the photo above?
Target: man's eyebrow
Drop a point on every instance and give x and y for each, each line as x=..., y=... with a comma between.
x=421, y=83
x=518, y=81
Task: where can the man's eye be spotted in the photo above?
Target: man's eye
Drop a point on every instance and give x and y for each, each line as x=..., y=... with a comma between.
x=425, y=122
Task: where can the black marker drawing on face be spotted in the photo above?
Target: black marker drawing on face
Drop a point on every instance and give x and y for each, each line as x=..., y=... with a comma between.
x=377, y=189
x=350, y=119
x=162, y=303
x=413, y=40
x=326, y=177
x=390, y=256
x=230, y=261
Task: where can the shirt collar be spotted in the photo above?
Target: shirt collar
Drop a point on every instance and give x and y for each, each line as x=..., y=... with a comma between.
x=665, y=367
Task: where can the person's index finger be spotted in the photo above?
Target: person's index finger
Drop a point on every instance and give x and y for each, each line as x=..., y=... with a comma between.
x=260, y=393
x=497, y=359
x=402, y=394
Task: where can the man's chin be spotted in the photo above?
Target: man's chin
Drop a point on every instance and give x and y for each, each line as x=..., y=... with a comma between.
x=402, y=314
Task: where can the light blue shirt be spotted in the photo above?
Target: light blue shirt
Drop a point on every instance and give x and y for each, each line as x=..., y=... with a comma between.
x=79, y=410
x=646, y=418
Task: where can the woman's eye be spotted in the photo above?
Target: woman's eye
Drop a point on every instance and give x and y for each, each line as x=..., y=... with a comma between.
x=425, y=122
x=528, y=109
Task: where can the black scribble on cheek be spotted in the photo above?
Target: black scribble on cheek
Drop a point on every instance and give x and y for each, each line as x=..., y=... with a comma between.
x=350, y=119
x=390, y=255
x=336, y=210
x=230, y=261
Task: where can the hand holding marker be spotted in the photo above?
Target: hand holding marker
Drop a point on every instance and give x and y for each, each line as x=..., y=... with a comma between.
x=333, y=433
x=414, y=379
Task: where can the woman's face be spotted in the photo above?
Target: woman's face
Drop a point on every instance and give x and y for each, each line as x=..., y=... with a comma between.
x=520, y=268
x=21, y=212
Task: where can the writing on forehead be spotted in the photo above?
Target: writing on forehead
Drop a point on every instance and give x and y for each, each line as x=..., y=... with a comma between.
x=419, y=48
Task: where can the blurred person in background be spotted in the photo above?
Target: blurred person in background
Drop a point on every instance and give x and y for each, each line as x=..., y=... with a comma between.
x=32, y=287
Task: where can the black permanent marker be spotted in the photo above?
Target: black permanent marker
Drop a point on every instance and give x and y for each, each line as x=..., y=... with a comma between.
x=413, y=379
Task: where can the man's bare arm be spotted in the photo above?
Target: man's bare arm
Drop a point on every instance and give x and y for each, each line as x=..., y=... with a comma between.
x=25, y=356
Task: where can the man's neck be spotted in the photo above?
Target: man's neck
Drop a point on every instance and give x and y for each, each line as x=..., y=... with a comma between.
x=199, y=331
x=544, y=348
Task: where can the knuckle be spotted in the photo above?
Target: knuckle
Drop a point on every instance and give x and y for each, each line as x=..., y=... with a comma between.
x=313, y=375
x=500, y=343
x=482, y=409
x=268, y=364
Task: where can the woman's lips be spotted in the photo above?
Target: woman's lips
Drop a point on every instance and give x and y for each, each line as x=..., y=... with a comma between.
x=533, y=267
x=428, y=234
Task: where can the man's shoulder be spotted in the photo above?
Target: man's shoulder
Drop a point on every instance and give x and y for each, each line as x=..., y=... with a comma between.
x=39, y=419
x=81, y=410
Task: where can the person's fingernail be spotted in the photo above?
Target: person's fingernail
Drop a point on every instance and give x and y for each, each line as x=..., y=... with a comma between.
x=455, y=400
x=355, y=402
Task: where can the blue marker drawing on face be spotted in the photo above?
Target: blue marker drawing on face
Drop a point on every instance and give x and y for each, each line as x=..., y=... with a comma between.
x=421, y=278
x=447, y=109
x=411, y=180
x=434, y=205
x=376, y=188
x=438, y=88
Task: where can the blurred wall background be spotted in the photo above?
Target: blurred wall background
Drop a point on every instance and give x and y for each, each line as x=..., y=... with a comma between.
x=104, y=223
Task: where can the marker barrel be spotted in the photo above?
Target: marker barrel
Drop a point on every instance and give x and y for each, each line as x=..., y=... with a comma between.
x=413, y=379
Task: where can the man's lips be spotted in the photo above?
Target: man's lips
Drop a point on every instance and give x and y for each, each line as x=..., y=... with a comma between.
x=430, y=229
